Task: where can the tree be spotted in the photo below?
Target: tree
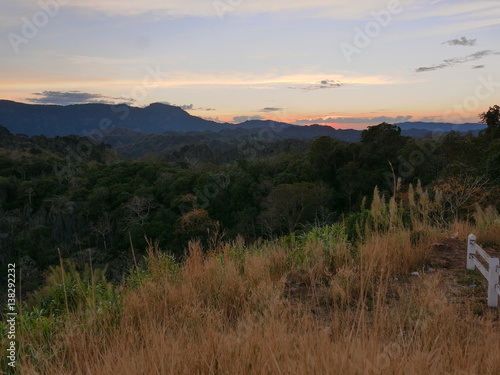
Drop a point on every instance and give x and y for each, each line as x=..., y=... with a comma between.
x=103, y=228
x=461, y=193
x=378, y=133
x=139, y=209
x=29, y=189
x=290, y=205
x=458, y=154
x=197, y=221
x=351, y=181
x=492, y=119
x=326, y=155
x=381, y=142
x=421, y=160
x=493, y=159
x=380, y=145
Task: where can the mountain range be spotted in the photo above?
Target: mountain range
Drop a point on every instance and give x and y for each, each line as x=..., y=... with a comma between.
x=157, y=118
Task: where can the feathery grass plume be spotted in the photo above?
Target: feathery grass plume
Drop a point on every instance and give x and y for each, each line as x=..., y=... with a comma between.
x=378, y=211
x=485, y=218
x=487, y=223
x=395, y=218
x=425, y=211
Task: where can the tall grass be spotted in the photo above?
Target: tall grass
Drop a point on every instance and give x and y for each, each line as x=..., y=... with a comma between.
x=315, y=303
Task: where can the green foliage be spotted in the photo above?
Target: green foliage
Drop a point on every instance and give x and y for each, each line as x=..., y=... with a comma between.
x=157, y=265
x=39, y=245
x=51, y=200
x=381, y=143
x=301, y=245
x=493, y=159
x=355, y=225
x=290, y=206
x=67, y=290
x=329, y=236
x=68, y=296
x=492, y=119
x=326, y=156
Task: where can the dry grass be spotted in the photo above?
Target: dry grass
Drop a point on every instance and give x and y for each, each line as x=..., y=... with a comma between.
x=256, y=310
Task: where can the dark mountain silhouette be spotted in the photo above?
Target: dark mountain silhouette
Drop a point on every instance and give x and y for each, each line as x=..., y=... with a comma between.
x=441, y=127
x=82, y=119
x=85, y=119
x=170, y=127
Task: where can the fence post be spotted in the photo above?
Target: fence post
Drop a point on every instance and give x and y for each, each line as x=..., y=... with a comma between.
x=471, y=250
x=492, y=282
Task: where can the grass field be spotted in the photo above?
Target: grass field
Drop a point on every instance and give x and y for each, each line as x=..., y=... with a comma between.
x=317, y=303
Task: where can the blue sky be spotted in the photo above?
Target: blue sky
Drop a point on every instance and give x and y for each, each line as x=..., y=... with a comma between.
x=297, y=61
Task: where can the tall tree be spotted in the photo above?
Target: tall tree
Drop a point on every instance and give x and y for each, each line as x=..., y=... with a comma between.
x=492, y=119
x=290, y=205
x=380, y=145
x=327, y=155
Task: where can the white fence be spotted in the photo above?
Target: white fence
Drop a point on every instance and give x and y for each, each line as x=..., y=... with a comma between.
x=492, y=274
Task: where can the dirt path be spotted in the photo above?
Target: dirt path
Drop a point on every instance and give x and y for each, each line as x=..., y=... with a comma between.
x=462, y=286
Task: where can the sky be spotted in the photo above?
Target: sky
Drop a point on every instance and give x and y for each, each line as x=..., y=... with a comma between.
x=348, y=64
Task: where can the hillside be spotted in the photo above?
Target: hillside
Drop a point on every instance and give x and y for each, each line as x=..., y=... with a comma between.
x=82, y=119
x=247, y=244
x=20, y=145
x=234, y=142
x=382, y=303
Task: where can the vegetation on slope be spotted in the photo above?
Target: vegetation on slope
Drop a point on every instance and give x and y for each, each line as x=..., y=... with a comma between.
x=312, y=286
x=74, y=194
x=311, y=303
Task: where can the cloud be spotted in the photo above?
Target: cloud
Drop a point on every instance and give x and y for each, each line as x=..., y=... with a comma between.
x=214, y=119
x=189, y=107
x=354, y=120
x=271, y=109
x=158, y=9
x=478, y=67
x=430, y=68
x=252, y=80
x=457, y=60
x=463, y=41
x=324, y=84
x=428, y=119
x=74, y=97
x=246, y=118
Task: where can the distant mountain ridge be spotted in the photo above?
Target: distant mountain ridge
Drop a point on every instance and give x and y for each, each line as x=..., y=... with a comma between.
x=135, y=144
x=81, y=119
x=441, y=126
x=159, y=118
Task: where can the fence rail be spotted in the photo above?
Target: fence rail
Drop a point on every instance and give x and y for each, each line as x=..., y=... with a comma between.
x=492, y=273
